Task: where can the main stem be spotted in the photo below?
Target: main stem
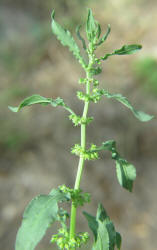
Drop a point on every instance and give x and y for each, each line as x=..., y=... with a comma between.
x=83, y=145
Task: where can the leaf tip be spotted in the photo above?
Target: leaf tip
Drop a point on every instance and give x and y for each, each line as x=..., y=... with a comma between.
x=13, y=109
x=89, y=11
x=52, y=14
x=143, y=117
x=109, y=26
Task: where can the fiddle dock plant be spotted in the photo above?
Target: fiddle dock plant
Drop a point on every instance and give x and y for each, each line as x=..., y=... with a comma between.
x=43, y=211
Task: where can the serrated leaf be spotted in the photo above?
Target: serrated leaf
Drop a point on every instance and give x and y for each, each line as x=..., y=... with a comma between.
x=118, y=240
x=105, y=232
x=140, y=115
x=126, y=174
x=91, y=28
x=65, y=37
x=80, y=37
x=103, y=39
x=124, y=50
x=38, y=216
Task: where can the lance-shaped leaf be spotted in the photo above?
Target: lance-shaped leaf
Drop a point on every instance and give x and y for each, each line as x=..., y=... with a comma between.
x=91, y=28
x=65, y=37
x=34, y=99
x=140, y=115
x=38, y=216
x=128, y=49
x=103, y=230
x=37, y=99
x=103, y=39
x=80, y=37
x=124, y=50
x=98, y=29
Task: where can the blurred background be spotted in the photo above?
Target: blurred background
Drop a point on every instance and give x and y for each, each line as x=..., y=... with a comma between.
x=35, y=143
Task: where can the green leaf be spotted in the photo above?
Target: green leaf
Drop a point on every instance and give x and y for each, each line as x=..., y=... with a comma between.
x=37, y=99
x=103, y=230
x=38, y=216
x=126, y=174
x=91, y=28
x=143, y=117
x=80, y=37
x=101, y=213
x=102, y=242
x=128, y=49
x=92, y=223
x=118, y=240
x=98, y=30
x=124, y=50
x=34, y=99
x=65, y=37
x=103, y=39
x=106, y=231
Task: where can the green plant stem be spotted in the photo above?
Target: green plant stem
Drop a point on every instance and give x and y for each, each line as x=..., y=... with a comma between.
x=79, y=173
x=81, y=160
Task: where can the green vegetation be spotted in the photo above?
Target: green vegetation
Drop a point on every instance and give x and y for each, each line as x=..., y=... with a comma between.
x=146, y=72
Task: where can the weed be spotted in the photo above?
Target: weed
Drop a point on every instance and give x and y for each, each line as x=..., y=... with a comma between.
x=43, y=210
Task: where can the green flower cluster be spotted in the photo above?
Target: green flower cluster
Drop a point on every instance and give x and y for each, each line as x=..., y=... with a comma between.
x=78, y=120
x=78, y=198
x=89, y=154
x=63, y=240
x=85, y=80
